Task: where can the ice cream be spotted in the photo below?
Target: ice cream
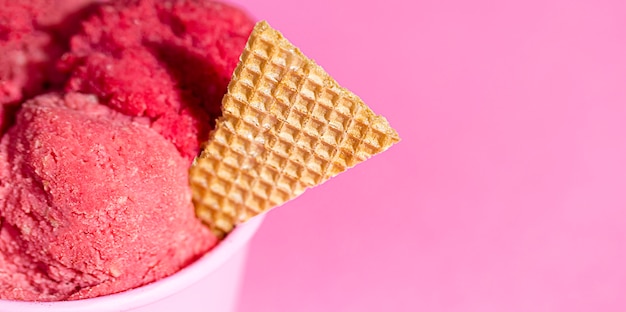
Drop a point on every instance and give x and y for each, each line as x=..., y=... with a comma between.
x=27, y=54
x=99, y=126
x=100, y=169
x=167, y=60
x=98, y=202
x=33, y=36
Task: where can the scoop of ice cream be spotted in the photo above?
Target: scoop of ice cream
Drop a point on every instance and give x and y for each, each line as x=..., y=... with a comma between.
x=166, y=60
x=33, y=35
x=92, y=202
x=25, y=50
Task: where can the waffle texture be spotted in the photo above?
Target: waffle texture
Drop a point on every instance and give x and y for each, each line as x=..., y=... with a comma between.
x=286, y=126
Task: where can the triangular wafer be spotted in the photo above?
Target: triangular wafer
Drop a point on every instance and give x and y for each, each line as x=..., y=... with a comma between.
x=286, y=126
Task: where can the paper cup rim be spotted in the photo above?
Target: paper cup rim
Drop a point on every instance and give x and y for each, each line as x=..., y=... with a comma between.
x=163, y=288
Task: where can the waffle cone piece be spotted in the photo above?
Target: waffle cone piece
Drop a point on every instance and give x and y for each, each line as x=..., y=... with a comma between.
x=286, y=126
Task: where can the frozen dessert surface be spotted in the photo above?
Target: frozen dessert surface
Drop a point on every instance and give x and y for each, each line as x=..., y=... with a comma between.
x=25, y=54
x=90, y=210
x=33, y=36
x=83, y=186
x=103, y=107
x=169, y=61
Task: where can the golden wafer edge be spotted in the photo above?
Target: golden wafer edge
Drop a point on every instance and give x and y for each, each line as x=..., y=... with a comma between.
x=286, y=126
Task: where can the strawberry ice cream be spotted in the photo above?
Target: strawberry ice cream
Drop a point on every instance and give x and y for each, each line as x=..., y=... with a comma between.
x=33, y=36
x=27, y=55
x=97, y=202
x=169, y=61
x=98, y=126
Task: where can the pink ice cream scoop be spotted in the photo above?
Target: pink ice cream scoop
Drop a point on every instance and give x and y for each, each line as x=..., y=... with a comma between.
x=26, y=55
x=97, y=203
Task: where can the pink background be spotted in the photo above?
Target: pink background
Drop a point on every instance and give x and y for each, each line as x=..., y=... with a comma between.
x=507, y=191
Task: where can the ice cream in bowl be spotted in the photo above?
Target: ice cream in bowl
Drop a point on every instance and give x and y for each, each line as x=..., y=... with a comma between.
x=142, y=141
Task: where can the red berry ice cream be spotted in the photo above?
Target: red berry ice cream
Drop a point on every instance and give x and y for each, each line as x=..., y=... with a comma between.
x=97, y=202
x=102, y=109
x=27, y=55
x=170, y=61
